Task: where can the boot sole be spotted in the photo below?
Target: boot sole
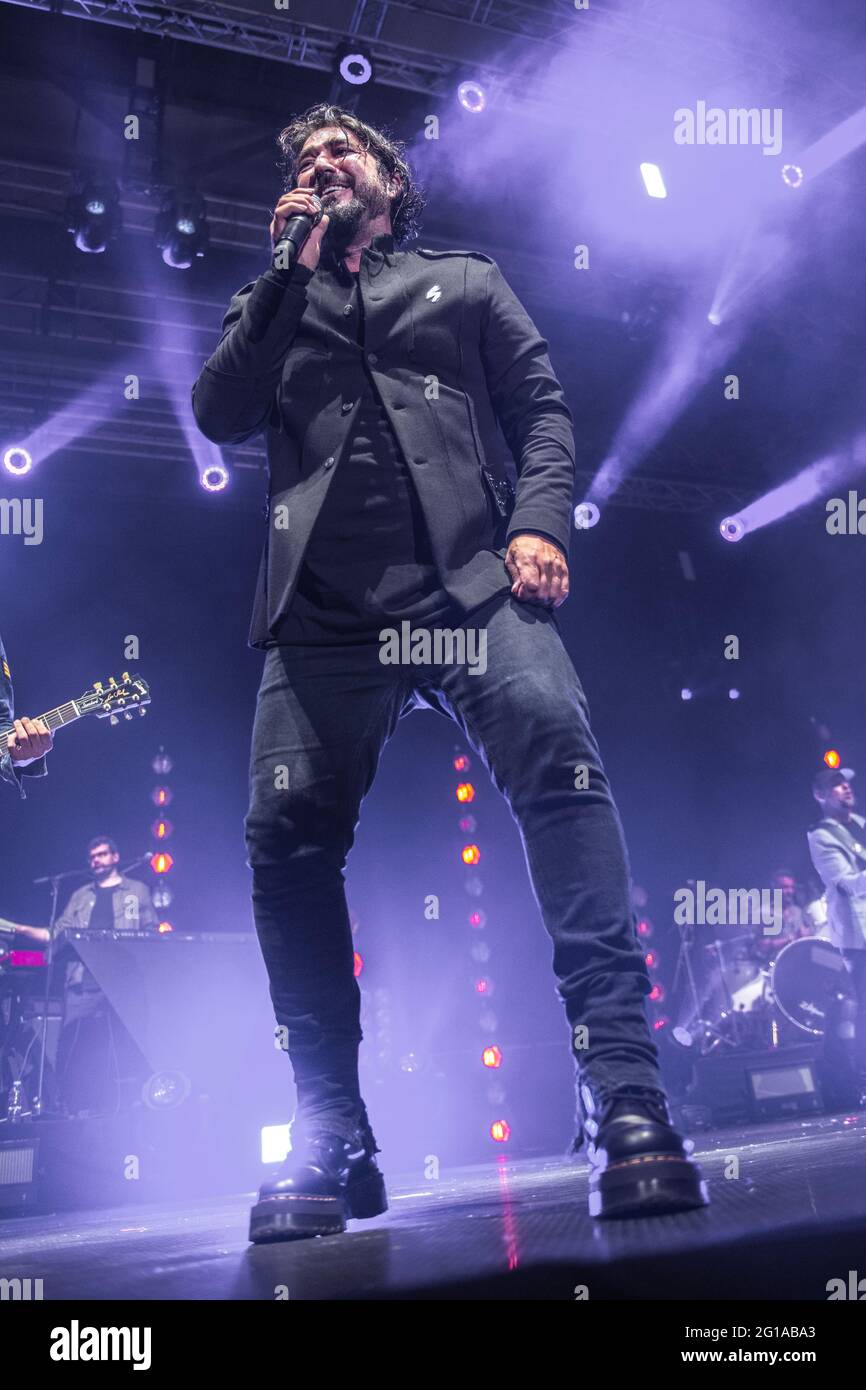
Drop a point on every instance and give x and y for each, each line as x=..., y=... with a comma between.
x=651, y=1185
x=296, y=1216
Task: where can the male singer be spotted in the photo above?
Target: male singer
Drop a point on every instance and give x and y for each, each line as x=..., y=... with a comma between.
x=380, y=376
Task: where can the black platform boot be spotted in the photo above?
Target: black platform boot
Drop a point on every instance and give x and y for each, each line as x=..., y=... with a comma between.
x=640, y=1165
x=326, y=1181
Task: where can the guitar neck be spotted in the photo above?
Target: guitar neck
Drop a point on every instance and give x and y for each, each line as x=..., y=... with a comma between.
x=54, y=718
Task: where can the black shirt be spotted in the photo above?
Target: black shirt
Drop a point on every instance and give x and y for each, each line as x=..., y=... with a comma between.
x=368, y=562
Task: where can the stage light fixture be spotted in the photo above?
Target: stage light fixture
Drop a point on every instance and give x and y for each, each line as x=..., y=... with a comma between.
x=657, y=993
x=792, y=175
x=653, y=181
x=17, y=461
x=276, y=1143
x=161, y=796
x=491, y=1057
x=644, y=927
x=483, y=986
x=500, y=1130
x=162, y=763
x=651, y=960
x=161, y=829
x=182, y=230
x=472, y=97
x=478, y=919
x=162, y=896
x=357, y=964
x=164, y=928
x=354, y=64
x=214, y=478
x=93, y=215
x=461, y=763
x=465, y=792
x=714, y=317
x=686, y=694
x=586, y=514
x=733, y=693
x=832, y=758
x=468, y=824
x=161, y=863
x=733, y=528
x=470, y=854
x=166, y=1090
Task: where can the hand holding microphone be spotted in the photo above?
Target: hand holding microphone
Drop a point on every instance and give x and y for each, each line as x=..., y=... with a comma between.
x=297, y=228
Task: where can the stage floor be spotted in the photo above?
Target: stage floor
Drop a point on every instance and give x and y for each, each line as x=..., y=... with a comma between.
x=793, y=1219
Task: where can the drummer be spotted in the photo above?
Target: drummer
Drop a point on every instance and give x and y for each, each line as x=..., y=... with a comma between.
x=800, y=917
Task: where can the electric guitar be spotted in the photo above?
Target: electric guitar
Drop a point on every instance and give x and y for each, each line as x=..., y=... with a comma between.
x=110, y=701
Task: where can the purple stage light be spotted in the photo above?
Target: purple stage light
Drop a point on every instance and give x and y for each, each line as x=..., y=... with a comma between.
x=586, y=514
x=733, y=694
x=685, y=693
x=472, y=97
x=792, y=175
x=355, y=67
x=17, y=461
x=733, y=528
x=653, y=181
x=214, y=478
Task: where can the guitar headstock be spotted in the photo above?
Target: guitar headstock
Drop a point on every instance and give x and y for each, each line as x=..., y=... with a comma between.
x=115, y=698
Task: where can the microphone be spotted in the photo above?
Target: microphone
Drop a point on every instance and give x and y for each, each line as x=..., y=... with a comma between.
x=288, y=245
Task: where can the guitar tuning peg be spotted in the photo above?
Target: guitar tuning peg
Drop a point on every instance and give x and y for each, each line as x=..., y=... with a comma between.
x=124, y=675
x=111, y=681
x=128, y=714
x=97, y=686
x=113, y=719
x=142, y=712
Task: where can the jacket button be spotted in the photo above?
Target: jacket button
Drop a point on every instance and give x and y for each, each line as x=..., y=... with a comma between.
x=329, y=462
x=372, y=358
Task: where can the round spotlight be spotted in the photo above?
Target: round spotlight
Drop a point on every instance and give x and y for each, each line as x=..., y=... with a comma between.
x=586, y=514
x=686, y=694
x=356, y=68
x=17, y=461
x=714, y=317
x=215, y=477
x=683, y=1037
x=733, y=528
x=472, y=97
x=182, y=230
x=733, y=694
x=165, y=1090
x=93, y=215
x=792, y=175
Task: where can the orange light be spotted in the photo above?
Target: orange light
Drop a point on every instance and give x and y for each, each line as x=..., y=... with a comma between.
x=470, y=854
x=161, y=829
x=165, y=927
x=831, y=758
x=656, y=994
x=358, y=964
x=162, y=862
x=461, y=763
x=465, y=792
x=491, y=1057
x=500, y=1130
x=161, y=796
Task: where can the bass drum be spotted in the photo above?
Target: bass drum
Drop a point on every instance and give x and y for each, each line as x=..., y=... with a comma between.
x=808, y=980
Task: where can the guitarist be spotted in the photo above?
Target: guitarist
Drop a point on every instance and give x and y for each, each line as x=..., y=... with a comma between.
x=838, y=849
x=22, y=752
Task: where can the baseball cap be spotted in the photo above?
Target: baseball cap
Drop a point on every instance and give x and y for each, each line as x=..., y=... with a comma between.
x=827, y=777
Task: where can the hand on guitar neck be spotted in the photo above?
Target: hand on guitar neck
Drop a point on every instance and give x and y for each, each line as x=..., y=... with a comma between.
x=38, y=935
x=29, y=740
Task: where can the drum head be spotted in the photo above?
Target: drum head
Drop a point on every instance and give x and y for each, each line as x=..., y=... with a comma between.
x=808, y=978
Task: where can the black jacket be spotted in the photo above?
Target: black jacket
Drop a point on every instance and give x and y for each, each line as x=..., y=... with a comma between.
x=456, y=359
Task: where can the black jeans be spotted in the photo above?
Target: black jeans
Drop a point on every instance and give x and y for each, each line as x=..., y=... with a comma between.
x=323, y=717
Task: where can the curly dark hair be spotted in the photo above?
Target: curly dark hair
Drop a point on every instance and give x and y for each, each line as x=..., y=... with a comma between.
x=406, y=206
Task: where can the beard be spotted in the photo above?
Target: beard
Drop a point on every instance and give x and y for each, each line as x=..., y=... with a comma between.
x=347, y=214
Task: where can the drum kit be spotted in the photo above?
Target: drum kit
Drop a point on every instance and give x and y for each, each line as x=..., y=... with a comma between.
x=753, y=1000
